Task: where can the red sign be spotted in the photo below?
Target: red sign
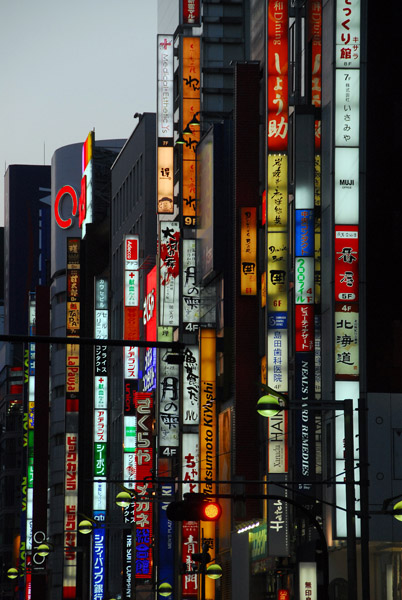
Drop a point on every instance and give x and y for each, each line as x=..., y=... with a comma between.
x=190, y=545
x=149, y=314
x=347, y=263
x=131, y=249
x=304, y=327
x=66, y=190
x=191, y=12
x=277, y=68
x=143, y=505
x=283, y=595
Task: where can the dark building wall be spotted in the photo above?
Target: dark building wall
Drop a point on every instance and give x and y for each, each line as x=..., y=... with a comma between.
x=133, y=212
x=25, y=188
x=383, y=205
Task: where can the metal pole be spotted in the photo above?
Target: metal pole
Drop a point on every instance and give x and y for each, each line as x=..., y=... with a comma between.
x=364, y=499
x=350, y=501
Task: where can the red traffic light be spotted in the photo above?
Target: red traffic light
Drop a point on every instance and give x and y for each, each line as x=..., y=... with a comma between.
x=194, y=507
x=210, y=511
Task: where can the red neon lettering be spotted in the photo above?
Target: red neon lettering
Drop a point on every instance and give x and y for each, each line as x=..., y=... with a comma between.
x=66, y=190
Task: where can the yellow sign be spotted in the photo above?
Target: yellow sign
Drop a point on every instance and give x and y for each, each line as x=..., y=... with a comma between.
x=277, y=271
x=248, y=251
x=165, y=180
x=208, y=435
x=277, y=195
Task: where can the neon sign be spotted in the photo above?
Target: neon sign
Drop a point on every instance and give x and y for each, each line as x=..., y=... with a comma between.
x=66, y=190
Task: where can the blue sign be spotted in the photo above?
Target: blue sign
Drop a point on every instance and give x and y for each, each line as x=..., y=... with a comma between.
x=277, y=320
x=304, y=232
x=98, y=557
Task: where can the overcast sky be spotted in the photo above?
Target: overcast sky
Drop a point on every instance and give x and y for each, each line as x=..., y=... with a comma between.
x=68, y=66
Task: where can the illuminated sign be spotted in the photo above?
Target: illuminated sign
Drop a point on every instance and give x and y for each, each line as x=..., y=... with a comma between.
x=189, y=546
x=277, y=70
x=144, y=507
x=277, y=271
x=347, y=186
x=131, y=252
x=190, y=462
x=208, y=432
x=191, y=94
x=85, y=208
x=191, y=386
x=165, y=86
x=169, y=403
x=169, y=273
x=69, y=191
x=277, y=351
x=307, y=580
x=304, y=328
x=165, y=180
x=191, y=12
x=304, y=280
x=347, y=263
x=348, y=34
x=149, y=379
x=191, y=291
x=346, y=341
x=277, y=191
x=347, y=113
x=248, y=251
x=131, y=308
x=304, y=232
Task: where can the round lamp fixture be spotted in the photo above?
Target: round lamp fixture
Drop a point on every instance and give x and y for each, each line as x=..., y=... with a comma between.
x=165, y=589
x=214, y=571
x=398, y=506
x=123, y=499
x=43, y=549
x=12, y=573
x=268, y=406
x=85, y=527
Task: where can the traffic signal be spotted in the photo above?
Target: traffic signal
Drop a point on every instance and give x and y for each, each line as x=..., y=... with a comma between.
x=194, y=507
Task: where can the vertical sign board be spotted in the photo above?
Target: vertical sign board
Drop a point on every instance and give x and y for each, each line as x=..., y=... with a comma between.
x=190, y=462
x=165, y=180
x=346, y=211
x=190, y=291
x=277, y=256
x=190, y=529
x=130, y=477
x=72, y=408
x=131, y=373
x=191, y=94
x=248, y=251
x=315, y=35
x=169, y=269
x=131, y=305
x=277, y=76
x=208, y=435
x=305, y=425
x=145, y=465
x=166, y=537
x=189, y=546
x=100, y=437
x=169, y=408
x=191, y=13
x=307, y=581
x=191, y=386
x=85, y=205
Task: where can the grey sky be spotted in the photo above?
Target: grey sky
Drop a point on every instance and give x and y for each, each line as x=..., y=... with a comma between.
x=68, y=66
